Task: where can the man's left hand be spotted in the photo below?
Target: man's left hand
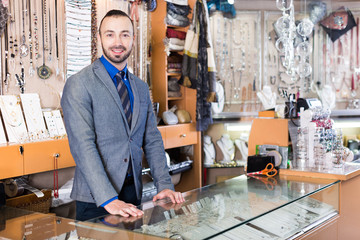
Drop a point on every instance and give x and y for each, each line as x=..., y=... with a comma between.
x=175, y=197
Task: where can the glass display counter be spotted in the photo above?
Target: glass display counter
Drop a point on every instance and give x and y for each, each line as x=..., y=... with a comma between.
x=239, y=208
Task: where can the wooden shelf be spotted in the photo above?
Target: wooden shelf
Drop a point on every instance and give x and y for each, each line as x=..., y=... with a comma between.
x=180, y=134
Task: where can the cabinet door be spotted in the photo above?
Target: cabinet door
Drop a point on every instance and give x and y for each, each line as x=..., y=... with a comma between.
x=40, y=156
x=181, y=135
x=11, y=161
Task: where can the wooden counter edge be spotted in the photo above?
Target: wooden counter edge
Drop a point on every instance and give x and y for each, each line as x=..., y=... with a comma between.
x=342, y=177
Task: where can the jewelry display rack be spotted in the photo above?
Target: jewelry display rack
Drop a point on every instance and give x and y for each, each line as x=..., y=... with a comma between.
x=42, y=29
x=237, y=49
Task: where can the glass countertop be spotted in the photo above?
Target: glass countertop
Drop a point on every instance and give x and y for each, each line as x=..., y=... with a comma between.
x=215, y=209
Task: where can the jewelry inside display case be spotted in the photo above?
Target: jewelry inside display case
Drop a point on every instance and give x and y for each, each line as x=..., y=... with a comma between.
x=240, y=208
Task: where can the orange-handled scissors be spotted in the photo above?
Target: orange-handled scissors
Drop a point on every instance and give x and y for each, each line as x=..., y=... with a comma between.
x=269, y=171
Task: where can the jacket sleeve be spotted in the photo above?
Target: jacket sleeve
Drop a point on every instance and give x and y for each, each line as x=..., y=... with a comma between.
x=154, y=151
x=76, y=103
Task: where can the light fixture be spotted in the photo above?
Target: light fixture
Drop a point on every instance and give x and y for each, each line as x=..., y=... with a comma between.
x=292, y=41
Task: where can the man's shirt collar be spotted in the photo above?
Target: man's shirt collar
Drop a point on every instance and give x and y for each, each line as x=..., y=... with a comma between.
x=112, y=70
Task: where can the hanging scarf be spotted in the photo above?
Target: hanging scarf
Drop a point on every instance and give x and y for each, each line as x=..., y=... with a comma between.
x=198, y=70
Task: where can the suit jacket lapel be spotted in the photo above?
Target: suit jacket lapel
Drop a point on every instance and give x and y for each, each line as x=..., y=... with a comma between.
x=136, y=107
x=104, y=77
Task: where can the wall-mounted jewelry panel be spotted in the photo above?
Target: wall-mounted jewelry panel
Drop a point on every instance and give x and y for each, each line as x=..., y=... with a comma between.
x=237, y=45
x=322, y=68
x=46, y=41
x=337, y=85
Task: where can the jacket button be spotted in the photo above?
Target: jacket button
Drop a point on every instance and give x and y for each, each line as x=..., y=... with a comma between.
x=125, y=160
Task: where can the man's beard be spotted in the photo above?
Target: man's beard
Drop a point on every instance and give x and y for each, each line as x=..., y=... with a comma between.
x=116, y=58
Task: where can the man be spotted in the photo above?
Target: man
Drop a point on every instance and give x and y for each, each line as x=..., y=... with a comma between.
x=110, y=123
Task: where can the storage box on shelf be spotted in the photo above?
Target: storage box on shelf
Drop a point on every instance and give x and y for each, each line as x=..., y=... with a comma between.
x=180, y=134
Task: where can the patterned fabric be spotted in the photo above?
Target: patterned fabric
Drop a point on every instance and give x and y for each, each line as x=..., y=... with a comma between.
x=124, y=96
x=198, y=68
x=172, y=33
x=3, y=17
x=203, y=107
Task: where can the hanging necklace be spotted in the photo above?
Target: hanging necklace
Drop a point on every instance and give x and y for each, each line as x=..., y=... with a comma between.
x=7, y=74
x=36, y=36
x=44, y=72
x=13, y=40
x=57, y=71
x=50, y=42
x=45, y=25
x=23, y=47
x=31, y=67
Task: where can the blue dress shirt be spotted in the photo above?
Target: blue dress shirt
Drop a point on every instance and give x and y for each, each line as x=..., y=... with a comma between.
x=112, y=70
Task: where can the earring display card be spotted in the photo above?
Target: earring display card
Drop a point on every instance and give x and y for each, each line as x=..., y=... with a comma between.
x=2, y=132
x=55, y=124
x=59, y=123
x=33, y=114
x=13, y=118
x=51, y=125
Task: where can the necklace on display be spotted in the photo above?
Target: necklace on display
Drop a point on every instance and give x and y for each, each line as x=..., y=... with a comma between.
x=58, y=70
x=50, y=41
x=7, y=74
x=11, y=116
x=44, y=72
x=13, y=23
x=31, y=67
x=36, y=36
x=12, y=39
x=24, y=49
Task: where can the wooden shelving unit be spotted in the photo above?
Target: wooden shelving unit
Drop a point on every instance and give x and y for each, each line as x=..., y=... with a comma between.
x=180, y=134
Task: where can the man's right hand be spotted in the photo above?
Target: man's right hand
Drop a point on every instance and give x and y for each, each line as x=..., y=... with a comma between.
x=124, y=209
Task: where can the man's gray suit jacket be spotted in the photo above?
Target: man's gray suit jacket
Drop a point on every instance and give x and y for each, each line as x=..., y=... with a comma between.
x=101, y=141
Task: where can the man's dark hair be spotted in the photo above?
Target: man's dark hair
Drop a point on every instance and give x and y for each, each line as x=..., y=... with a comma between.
x=116, y=13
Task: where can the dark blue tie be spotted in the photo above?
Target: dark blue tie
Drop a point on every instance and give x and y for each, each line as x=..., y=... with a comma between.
x=124, y=95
